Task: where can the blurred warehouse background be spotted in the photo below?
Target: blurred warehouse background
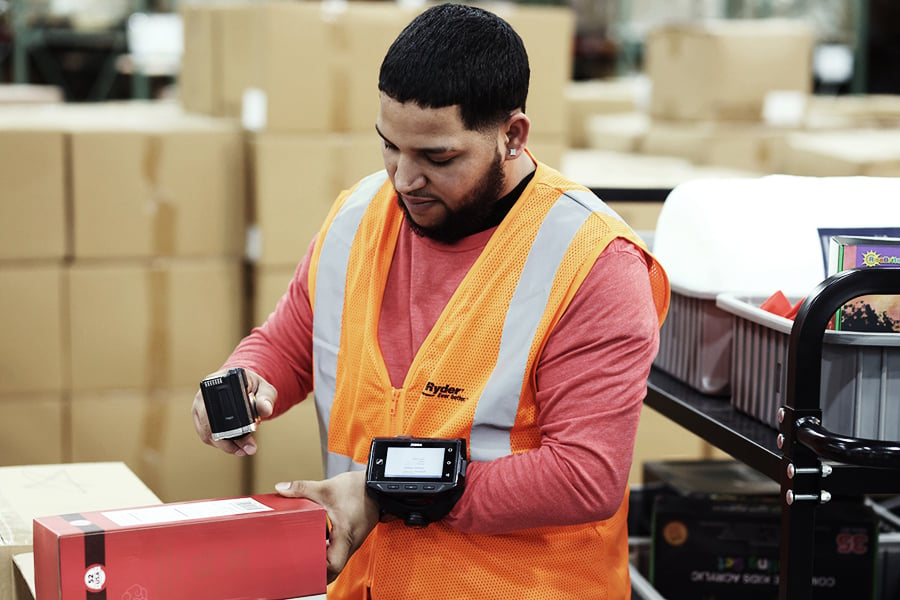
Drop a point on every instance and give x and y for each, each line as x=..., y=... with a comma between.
x=163, y=166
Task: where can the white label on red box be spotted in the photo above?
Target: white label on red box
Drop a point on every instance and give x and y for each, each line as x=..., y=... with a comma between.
x=184, y=512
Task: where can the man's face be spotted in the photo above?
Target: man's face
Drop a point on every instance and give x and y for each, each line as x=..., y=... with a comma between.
x=447, y=177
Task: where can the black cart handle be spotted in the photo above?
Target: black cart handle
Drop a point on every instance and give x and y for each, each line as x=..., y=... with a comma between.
x=805, y=367
x=845, y=449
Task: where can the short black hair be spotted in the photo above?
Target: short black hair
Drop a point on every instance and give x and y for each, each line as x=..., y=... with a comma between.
x=454, y=54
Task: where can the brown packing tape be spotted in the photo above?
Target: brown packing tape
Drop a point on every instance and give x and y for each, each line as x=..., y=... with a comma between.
x=159, y=377
x=65, y=304
x=159, y=367
x=162, y=208
x=153, y=431
x=69, y=197
x=164, y=227
x=65, y=319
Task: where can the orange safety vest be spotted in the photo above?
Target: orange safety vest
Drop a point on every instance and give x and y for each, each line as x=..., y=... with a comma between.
x=486, y=345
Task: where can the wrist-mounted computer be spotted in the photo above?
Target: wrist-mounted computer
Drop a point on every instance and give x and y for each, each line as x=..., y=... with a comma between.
x=416, y=479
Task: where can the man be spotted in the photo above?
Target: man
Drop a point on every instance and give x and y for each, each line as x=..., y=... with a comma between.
x=467, y=264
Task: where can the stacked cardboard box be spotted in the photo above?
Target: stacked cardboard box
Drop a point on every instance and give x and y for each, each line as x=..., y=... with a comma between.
x=712, y=85
x=738, y=94
x=121, y=285
x=597, y=98
x=702, y=99
x=849, y=152
x=867, y=111
x=723, y=70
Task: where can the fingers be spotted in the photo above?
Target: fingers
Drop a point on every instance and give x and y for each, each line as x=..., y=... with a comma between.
x=201, y=422
x=265, y=396
x=243, y=446
x=352, y=513
x=340, y=548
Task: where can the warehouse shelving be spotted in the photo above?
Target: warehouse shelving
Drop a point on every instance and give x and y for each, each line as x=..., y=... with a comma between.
x=32, y=41
x=811, y=463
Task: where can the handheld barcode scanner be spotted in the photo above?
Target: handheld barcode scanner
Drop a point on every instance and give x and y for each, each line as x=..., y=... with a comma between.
x=231, y=410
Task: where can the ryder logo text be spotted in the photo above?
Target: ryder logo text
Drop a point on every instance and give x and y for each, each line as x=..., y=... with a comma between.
x=433, y=390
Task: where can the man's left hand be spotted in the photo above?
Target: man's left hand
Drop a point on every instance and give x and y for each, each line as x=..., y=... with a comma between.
x=352, y=512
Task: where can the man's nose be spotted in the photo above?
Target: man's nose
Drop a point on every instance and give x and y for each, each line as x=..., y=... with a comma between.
x=407, y=176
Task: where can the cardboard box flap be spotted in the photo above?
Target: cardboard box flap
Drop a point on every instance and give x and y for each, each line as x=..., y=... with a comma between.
x=23, y=564
x=33, y=491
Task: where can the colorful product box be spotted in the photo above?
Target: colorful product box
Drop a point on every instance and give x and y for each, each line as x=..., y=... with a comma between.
x=728, y=549
x=876, y=313
x=261, y=546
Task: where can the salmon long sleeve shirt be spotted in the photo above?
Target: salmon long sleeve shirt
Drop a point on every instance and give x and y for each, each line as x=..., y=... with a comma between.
x=591, y=378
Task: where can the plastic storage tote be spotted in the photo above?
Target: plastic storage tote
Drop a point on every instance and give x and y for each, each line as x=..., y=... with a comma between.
x=695, y=342
x=860, y=379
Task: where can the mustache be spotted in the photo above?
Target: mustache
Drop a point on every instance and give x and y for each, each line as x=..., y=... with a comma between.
x=416, y=197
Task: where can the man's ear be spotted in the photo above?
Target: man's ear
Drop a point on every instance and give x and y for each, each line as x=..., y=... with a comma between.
x=517, y=128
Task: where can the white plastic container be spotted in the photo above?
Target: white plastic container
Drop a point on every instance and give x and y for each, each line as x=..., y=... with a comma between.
x=860, y=379
x=750, y=237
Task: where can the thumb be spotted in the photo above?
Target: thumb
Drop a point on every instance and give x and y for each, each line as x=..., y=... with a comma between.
x=298, y=489
x=265, y=400
x=264, y=394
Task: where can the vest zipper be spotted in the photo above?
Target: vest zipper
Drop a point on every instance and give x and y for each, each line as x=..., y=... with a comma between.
x=395, y=412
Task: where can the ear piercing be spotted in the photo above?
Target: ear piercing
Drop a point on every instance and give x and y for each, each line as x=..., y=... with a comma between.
x=512, y=151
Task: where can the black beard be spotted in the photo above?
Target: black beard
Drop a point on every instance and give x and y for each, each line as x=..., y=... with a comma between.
x=478, y=213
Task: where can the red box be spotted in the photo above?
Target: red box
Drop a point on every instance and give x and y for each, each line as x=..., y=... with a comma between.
x=260, y=547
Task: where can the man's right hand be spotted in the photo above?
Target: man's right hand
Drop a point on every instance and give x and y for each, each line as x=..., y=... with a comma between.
x=243, y=446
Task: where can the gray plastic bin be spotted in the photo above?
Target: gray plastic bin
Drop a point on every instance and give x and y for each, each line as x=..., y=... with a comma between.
x=695, y=342
x=860, y=372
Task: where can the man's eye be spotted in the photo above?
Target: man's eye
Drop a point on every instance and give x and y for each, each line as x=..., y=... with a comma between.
x=440, y=161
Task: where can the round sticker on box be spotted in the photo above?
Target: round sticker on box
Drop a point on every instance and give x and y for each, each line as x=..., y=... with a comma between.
x=95, y=578
x=675, y=533
x=81, y=523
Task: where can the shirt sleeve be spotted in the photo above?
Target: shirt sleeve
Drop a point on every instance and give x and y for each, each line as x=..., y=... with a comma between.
x=591, y=382
x=280, y=350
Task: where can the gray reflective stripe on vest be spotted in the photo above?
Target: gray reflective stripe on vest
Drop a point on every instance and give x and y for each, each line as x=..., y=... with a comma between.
x=329, y=305
x=495, y=413
x=590, y=200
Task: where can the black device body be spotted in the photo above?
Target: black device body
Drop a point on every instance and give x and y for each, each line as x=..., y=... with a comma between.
x=416, y=479
x=230, y=409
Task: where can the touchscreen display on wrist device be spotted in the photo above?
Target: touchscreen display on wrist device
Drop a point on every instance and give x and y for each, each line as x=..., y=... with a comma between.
x=416, y=479
x=230, y=409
